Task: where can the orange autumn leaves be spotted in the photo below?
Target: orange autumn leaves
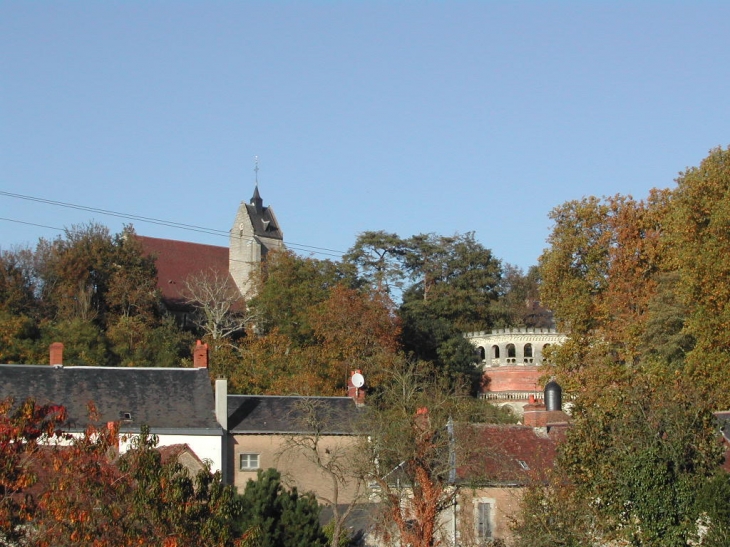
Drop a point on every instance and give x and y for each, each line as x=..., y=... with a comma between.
x=81, y=491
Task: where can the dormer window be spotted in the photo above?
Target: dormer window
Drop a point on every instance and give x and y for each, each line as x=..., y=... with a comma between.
x=125, y=416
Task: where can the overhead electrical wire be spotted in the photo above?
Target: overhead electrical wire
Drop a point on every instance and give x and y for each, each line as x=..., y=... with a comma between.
x=150, y=220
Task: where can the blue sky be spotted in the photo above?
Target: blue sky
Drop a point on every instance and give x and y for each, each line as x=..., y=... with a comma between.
x=409, y=117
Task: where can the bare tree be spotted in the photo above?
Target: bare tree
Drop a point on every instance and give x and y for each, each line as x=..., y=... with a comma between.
x=418, y=433
x=221, y=310
x=329, y=444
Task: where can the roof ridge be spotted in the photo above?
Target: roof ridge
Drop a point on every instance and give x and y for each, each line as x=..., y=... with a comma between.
x=327, y=397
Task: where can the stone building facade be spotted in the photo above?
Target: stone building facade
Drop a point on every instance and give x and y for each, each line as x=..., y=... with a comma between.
x=510, y=359
x=254, y=233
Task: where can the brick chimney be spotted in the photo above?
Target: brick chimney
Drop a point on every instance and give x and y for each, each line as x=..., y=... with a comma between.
x=535, y=414
x=200, y=355
x=56, y=358
x=355, y=389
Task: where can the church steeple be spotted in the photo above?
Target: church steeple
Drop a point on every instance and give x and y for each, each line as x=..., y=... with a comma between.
x=255, y=232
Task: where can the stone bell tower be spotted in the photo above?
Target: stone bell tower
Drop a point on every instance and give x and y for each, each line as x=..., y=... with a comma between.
x=254, y=233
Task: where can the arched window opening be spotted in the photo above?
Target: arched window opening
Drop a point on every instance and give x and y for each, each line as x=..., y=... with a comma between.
x=482, y=354
x=511, y=353
x=527, y=354
x=495, y=352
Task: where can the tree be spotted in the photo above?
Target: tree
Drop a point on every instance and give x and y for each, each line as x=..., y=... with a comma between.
x=412, y=447
x=355, y=329
x=632, y=465
x=456, y=286
x=22, y=430
x=714, y=505
x=221, y=311
x=551, y=513
x=72, y=272
x=337, y=459
x=519, y=302
x=93, y=290
x=457, y=277
x=17, y=282
x=274, y=364
x=379, y=258
x=285, y=518
x=288, y=286
x=697, y=229
x=96, y=498
x=600, y=275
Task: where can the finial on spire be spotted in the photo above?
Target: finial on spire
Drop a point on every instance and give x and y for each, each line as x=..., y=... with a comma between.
x=256, y=168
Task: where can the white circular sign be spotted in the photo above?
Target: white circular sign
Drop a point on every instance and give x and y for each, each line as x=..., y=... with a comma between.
x=358, y=380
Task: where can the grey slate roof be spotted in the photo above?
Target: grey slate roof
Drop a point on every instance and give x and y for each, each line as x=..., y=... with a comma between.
x=262, y=218
x=168, y=400
x=273, y=414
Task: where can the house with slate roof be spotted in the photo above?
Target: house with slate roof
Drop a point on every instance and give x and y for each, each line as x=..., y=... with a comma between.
x=254, y=233
x=267, y=431
x=177, y=404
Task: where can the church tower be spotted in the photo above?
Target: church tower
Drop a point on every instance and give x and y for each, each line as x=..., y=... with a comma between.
x=254, y=233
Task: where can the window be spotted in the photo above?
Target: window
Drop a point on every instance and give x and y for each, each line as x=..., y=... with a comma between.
x=248, y=462
x=484, y=520
x=528, y=350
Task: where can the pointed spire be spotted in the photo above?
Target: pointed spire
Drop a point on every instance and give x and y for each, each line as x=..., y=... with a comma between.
x=256, y=200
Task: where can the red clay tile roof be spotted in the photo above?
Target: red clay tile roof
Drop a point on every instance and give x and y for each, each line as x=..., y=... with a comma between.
x=173, y=452
x=176, y=260
x=513, y=454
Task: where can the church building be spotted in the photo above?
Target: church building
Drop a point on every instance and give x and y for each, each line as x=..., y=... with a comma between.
x=254, y=233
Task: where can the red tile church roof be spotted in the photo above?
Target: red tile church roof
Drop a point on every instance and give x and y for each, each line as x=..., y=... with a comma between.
x=176, y=260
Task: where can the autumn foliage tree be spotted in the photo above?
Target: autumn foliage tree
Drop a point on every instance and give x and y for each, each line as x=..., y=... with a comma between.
x=82, y=492
x=632, y=469
x=634, y=281
x=96, y=497
x=314, y=324
x=94, y=290
x=599, y=276
x=23, y=429
x=641, y=288
x=697, y=234
x=412, y=449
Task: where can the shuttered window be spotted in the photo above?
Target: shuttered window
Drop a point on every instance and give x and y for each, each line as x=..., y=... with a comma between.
x=484, y=521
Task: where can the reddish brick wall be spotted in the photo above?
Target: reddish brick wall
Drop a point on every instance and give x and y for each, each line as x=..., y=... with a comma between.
x=518, y=378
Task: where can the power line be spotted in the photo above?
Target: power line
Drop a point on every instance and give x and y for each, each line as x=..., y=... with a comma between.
x=31, y=224
x=150, y=220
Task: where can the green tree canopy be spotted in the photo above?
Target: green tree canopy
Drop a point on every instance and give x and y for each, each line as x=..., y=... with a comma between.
x=285, y=517
x=631, y=469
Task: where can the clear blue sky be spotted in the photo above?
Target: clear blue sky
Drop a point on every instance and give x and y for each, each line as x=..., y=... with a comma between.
x=408, y=117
